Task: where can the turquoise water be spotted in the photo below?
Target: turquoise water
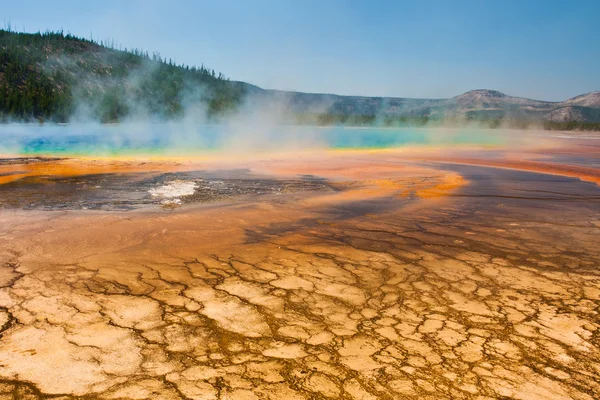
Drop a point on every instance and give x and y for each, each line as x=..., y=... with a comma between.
x=181, y=139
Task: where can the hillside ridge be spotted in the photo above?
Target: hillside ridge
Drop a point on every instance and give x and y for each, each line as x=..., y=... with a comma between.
x=56, y=77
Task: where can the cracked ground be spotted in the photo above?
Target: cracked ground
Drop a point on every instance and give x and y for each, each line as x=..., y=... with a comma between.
x=390, y=279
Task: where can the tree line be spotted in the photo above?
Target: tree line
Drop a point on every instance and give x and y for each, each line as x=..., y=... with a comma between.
x=53, y=76
x=46, y=76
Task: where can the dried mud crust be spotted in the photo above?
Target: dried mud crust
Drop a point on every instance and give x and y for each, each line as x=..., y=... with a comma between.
x=453, y=301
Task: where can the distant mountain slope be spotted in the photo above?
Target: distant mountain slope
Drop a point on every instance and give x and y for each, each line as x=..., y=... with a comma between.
x=487, y=102
x=574, y=113
x=57, y=77
x=587, y=100
x=478, y=104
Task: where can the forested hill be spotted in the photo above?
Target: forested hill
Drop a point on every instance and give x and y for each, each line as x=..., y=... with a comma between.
x=53, y=76
x=56, y=77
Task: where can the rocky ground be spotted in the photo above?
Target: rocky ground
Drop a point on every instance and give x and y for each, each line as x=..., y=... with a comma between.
x=382, y=280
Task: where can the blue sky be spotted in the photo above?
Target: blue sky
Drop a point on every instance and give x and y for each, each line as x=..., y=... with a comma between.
x=547, y=50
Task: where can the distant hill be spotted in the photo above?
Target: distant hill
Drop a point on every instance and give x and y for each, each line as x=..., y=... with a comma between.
x=489, y=102
x=56, y=77
x=478, y=104
x=586, y=100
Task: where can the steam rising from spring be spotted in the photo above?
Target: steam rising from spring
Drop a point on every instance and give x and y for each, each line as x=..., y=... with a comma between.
x=264, y=121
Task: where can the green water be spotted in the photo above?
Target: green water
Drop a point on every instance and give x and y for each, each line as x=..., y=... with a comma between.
x=180, y=139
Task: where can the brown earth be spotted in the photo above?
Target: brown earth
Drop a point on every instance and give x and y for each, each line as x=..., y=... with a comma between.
x=408, y=279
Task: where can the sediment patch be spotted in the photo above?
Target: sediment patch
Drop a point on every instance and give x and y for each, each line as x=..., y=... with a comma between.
x=394, y=282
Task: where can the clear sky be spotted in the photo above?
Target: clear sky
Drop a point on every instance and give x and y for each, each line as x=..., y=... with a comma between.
x=547, y=50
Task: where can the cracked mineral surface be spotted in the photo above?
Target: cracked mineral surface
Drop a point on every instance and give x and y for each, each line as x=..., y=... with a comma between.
x=353, y=275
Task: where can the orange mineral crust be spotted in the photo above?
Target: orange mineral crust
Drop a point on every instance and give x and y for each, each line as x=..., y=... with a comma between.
x=49, y=167
x=336, y=275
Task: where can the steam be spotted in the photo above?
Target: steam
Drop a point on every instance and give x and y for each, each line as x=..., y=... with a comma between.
x=172, y=192
x=264, y=121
